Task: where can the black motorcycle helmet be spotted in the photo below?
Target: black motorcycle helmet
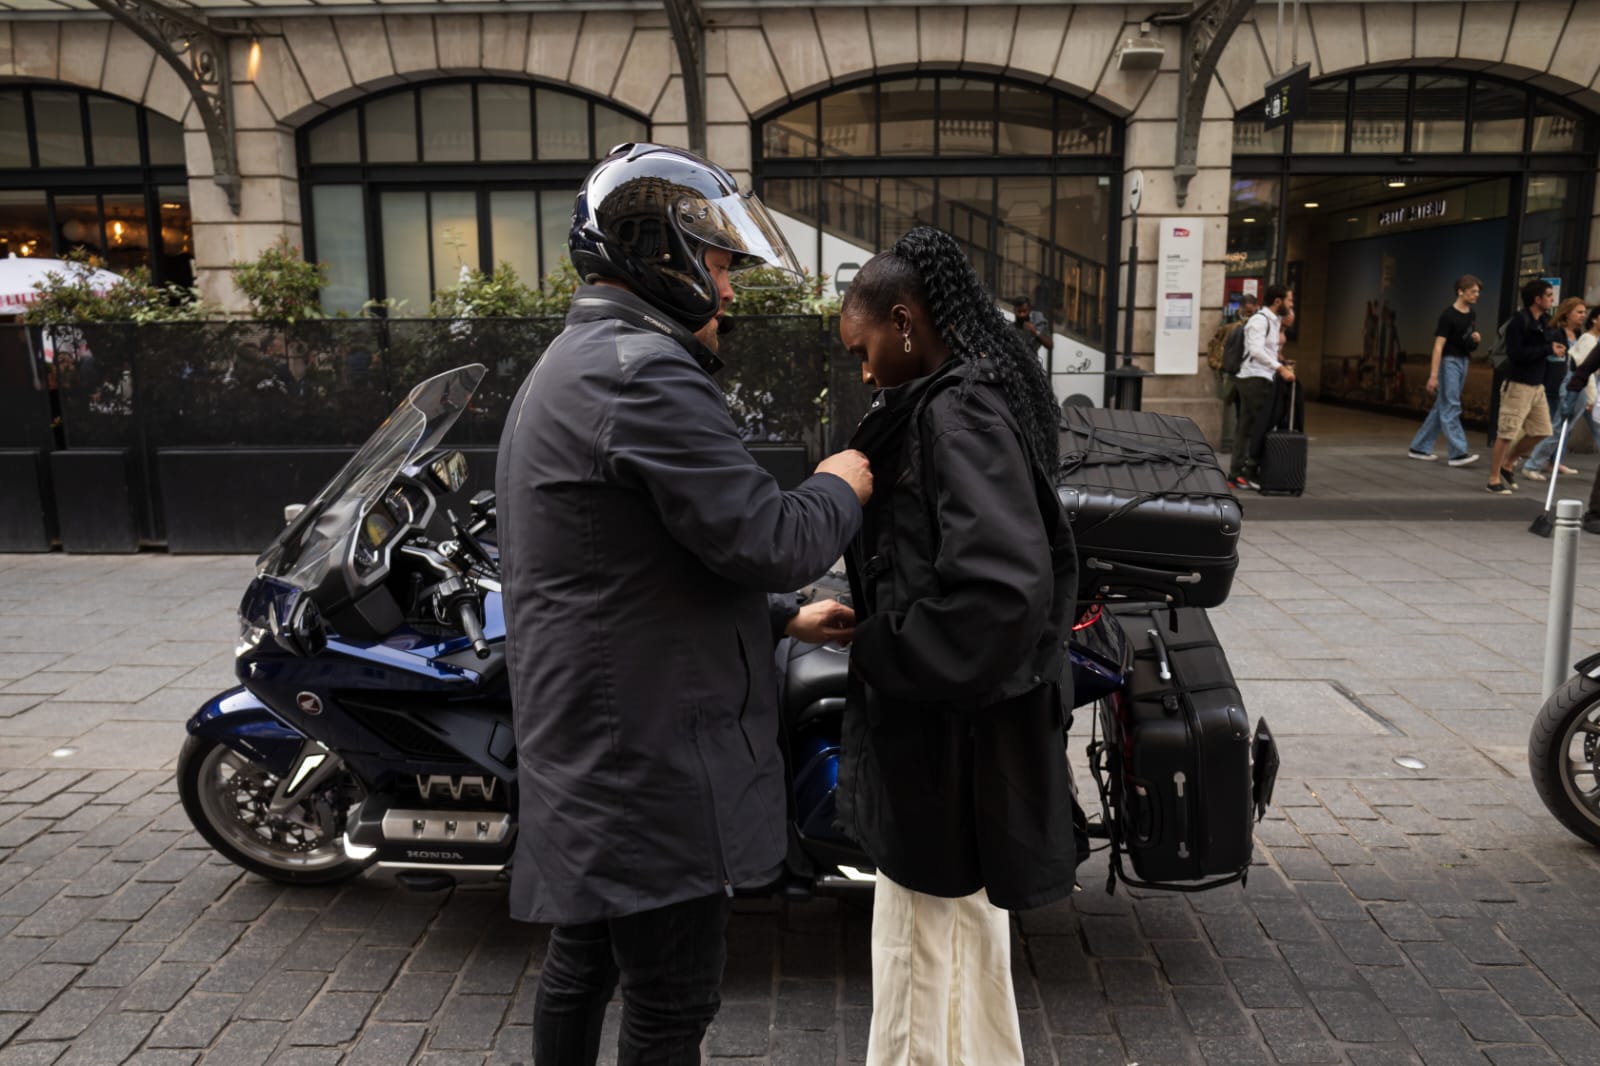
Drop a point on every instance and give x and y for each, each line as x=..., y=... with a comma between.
x=647, y=213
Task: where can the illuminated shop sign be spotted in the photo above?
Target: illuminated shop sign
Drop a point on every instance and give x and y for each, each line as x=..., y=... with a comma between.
x=1426, y=211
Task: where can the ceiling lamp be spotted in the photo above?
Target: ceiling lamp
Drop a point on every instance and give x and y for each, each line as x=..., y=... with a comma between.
x=1396, y=183
x=1312, y=205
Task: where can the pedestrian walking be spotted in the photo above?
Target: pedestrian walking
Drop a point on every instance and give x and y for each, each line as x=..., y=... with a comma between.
x=953, y=778
x=1524, y=418
x=1455, y=338
x=637, y=540
x=1572, y=318
x=1263, y=340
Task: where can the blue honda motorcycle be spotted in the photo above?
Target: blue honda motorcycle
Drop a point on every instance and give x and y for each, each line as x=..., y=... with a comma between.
x=372, y=723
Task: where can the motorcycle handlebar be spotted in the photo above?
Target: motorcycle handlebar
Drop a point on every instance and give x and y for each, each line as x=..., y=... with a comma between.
x=467, y=616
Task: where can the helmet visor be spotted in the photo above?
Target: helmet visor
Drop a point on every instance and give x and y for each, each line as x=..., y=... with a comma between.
x=738, y=223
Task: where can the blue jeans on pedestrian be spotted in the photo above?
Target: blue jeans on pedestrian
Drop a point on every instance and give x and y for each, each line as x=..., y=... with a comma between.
x=1571, y=409
x=1445, y=416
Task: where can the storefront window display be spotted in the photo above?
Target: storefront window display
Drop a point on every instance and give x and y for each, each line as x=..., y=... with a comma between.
x=1396, y=184
x=85, y=171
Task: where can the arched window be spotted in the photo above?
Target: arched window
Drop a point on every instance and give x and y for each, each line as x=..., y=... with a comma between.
x=80, y=169
x=1024, y=177
x=406, y=188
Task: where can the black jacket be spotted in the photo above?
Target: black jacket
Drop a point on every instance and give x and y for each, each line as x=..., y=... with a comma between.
x=954, y=775
x=638, y=538
x=1527, y=348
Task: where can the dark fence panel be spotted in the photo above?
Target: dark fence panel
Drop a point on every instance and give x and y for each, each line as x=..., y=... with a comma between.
x=24, y=392
x=223, y=423
x=27, y=512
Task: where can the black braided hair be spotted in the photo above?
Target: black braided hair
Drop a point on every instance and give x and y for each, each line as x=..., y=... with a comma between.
x=928, y=269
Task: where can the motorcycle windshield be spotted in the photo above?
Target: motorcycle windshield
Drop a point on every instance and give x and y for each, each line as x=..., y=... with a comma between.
x=322, y=536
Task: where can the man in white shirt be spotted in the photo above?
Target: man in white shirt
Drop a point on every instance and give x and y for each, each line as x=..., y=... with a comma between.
x=1263, y=338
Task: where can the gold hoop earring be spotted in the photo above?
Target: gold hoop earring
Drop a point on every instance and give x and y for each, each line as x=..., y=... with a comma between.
x=908, y=344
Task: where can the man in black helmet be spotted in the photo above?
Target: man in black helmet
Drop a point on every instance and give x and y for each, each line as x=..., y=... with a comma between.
x=638, y=538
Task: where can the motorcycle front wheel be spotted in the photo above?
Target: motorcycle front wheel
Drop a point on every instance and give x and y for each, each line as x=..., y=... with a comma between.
x=226, y=797
x=1564, y=756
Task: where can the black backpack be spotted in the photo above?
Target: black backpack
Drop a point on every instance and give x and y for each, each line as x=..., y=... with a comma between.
x=1233, y=348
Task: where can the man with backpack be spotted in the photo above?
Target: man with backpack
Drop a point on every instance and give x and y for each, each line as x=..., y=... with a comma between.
x=1259, y=369
x=1224, y=355
x=1454, y=339
x=1524, y=412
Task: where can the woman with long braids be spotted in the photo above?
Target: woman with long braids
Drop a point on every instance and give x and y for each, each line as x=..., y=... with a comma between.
x=954, y=776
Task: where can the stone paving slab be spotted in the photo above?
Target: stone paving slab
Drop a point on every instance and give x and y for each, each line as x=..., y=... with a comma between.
x=1438, y=917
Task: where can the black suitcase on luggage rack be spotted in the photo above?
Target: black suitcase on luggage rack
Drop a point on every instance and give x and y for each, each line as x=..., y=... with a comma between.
x=1150, y=508
x=1182, y=779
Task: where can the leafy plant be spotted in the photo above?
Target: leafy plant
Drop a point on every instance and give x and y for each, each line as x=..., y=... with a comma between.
x=769, y=291
x=280, y=285
x=500, y=294
x=69, y=297
x=503, y=294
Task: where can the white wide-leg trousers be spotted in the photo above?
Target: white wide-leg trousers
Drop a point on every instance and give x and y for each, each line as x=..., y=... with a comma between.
x=941, y=981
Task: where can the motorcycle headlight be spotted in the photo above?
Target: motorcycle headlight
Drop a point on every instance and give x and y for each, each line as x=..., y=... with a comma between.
x=250, y=637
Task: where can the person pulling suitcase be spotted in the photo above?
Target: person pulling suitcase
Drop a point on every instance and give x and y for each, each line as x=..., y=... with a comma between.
x=1261, y=369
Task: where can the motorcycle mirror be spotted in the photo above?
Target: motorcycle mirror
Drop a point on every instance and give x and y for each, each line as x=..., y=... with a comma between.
x=302, y=633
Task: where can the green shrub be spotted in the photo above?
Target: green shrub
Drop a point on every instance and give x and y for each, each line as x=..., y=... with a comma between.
x=280, y=285
x=67, y=298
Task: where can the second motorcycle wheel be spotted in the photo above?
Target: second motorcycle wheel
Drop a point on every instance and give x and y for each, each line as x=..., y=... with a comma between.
x=226, y=797
x=1564, y=756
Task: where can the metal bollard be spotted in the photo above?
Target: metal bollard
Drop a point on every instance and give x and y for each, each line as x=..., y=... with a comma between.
x=1563, y=590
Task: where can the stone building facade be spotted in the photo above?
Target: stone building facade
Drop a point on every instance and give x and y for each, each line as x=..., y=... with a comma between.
x=295, y=65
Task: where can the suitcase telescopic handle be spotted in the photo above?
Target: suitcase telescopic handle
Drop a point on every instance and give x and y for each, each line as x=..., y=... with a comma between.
x=1163, y=657
x=1176, y=577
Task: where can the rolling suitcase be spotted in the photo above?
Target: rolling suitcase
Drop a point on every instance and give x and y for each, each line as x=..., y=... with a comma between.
x=1150, y=508
x=1181, y=774
x=1283, y=458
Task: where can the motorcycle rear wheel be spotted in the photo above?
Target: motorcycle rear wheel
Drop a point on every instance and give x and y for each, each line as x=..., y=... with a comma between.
x=1564, y=756
x=225, y=796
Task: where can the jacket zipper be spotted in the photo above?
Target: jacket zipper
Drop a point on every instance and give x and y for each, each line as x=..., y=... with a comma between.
x=711, y=810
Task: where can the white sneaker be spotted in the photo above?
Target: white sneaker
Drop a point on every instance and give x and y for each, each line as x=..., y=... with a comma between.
x=1465, y=460
x=1424, y=457
x=1534, y=475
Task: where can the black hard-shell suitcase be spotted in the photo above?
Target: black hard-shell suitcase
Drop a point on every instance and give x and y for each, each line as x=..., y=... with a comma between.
x=1185, y=778
x=1149, y=505
x=1283, y=458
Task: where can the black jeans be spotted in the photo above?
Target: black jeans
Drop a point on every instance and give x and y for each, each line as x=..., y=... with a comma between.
x=670, y=964
x=1255, y=404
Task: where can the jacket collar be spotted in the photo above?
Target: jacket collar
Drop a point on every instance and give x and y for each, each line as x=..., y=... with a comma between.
x=893, y=407
x=597, y=303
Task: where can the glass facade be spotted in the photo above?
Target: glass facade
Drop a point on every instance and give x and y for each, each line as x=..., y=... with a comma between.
x=408, y=189
x=79, y=170
x=1394, y=184
x=1022, y=177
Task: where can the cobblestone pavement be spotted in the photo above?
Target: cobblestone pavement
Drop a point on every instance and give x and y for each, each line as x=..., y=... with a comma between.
x=1395, y=916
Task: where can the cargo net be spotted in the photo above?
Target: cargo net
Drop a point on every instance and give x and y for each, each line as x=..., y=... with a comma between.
x=1183, y=465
